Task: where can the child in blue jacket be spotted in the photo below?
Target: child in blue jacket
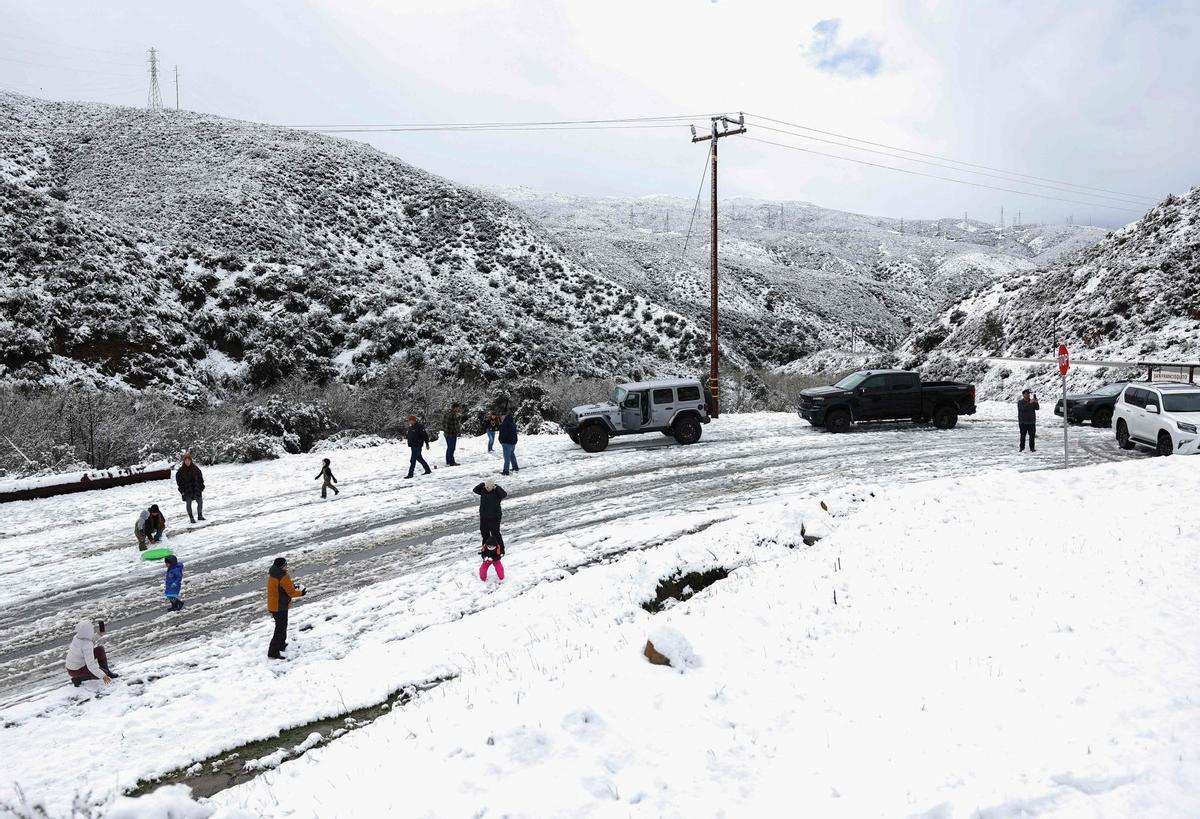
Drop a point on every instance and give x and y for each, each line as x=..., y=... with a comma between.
x=174, y=582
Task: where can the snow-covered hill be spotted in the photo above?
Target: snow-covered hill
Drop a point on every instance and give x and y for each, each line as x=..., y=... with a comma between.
x=174, y=249
x=796, y=278
x=1134, y=295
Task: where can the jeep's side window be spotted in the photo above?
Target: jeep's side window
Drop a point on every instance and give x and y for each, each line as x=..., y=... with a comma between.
x=689, y=394
x=633, y=400
x=666, y=396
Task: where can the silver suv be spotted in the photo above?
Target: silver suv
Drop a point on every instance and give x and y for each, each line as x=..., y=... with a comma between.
x=675, y=407
x=1162, y=416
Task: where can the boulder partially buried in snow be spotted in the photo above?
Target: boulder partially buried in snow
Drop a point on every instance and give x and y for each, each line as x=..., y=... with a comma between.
x=667, y=646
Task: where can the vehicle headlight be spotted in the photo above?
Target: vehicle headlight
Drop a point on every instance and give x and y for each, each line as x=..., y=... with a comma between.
x=1186, y=427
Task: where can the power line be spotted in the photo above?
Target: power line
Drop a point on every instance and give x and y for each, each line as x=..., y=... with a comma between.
x=944, y=178
x=947, y=159
x=947, y=167
x=695, y=207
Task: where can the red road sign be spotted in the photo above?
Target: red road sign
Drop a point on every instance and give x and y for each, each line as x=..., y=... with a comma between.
x=1064, y=359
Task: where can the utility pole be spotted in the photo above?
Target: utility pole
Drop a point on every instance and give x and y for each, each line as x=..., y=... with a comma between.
x=902, y=225
x=1002, y=221
x=154, y=98
x=1019, y=222
x=176, y=88
x=720, y=128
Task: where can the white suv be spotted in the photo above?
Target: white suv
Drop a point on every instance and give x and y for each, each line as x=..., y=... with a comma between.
x=1162, y=416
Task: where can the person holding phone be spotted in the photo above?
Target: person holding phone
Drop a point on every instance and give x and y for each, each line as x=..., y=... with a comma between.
x=1027, y=407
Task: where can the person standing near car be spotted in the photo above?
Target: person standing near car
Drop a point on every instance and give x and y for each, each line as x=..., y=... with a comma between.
x=190, y=481
x=451, y=426
x=1027, y=407
x=280, y=592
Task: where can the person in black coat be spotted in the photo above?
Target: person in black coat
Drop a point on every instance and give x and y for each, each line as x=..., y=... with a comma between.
x=327, y=473
x=190, y=481
x=1027, y=407
x=417, y=437
x=508, y=443
x=490, y=496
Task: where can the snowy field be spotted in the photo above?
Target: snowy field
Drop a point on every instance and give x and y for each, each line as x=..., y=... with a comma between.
x=990, y=627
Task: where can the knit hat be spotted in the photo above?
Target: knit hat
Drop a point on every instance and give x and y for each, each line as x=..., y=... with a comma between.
x=171, y=560
x=489, y=484
x=279, y=563
x=154, y=507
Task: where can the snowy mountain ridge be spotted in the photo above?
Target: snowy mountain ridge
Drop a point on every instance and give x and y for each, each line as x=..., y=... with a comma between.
x=796, y=278
x=182, y=250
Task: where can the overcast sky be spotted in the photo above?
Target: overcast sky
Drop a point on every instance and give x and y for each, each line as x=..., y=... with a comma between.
x=1100, y=93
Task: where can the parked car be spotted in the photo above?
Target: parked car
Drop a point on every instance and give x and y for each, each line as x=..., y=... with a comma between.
x=1096, y=407
x=886, y=395
x=1162, y=416
x=675, y=407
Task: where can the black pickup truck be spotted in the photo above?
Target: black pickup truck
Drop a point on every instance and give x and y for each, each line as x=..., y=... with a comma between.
x=886, y=395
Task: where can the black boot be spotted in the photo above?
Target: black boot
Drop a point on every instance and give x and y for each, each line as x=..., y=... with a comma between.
x=109, y=672
x=75, y=681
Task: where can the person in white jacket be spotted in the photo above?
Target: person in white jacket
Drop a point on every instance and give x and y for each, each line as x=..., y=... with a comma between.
x=86, y=658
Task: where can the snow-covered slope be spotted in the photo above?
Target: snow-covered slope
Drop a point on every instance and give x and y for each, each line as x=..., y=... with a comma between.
x=796, y=278
x=1136, y=294
x=173, y=248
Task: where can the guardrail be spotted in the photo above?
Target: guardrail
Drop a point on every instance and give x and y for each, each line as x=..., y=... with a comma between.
x=84, y=484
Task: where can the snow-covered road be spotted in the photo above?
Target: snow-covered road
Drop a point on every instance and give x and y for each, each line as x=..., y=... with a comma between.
x=74, y=556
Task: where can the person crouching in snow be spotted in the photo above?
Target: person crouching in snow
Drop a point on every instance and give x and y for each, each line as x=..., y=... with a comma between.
x=491, y=553
x=327, y=474
x=86, y=659
x=174, y=582
x=149, y=527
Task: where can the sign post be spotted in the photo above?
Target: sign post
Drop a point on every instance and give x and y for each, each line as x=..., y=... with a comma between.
x=1064, y=364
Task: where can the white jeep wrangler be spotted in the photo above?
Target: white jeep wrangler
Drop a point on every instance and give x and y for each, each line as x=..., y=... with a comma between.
x=675, y=407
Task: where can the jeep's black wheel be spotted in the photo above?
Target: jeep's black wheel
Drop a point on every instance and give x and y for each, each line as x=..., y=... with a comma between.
x=837, y=421
x=1102, y=418
x=1123, y=436
x=1165, y=445
x=687, y=430
x=593, y=438
x=945, y=418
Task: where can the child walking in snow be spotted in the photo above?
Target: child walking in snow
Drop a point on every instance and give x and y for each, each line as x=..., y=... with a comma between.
x=174, y=582
x=491, y=553
x=329, y=481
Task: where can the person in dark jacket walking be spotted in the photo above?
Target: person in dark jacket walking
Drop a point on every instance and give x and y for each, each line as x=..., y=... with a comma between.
x=491, y=552
x=508, y=443
x=174, y=586
x=190, y=481
x=329, y=481
x=1027, y=407
x=490, y=496
x=451, y=426
x=417, y=437
x=491, y=425
x=149, y=527
x=280, y=593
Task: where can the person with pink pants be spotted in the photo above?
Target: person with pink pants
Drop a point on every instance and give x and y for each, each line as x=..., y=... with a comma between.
x=491, y=553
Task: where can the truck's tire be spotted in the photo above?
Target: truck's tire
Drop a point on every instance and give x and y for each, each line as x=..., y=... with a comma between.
x=837, y=420
x=688, y=430
x=593, y=438
x=1123, y=436
x=945, y=417
x=1102, y=417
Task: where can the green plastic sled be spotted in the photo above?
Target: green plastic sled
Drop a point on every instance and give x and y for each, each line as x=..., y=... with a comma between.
x=156, y=554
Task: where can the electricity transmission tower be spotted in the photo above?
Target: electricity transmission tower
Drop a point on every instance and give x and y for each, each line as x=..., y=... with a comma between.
x=154, y=98
x=720, y=129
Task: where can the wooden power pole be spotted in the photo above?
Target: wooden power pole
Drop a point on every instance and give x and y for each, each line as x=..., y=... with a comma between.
x=720, y=128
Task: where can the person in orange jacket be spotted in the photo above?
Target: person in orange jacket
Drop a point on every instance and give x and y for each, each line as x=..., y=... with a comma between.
x=280, y=591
